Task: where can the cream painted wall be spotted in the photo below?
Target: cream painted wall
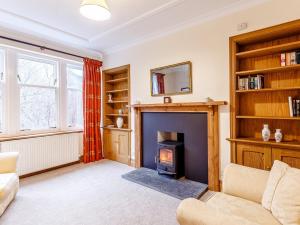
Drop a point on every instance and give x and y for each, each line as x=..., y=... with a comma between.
x=207, y=46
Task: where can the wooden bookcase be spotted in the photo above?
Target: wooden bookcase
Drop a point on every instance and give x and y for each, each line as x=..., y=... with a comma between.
x=255, y=53
x=116, y=144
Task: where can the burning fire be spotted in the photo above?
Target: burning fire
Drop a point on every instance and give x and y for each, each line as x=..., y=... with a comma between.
x=165, y=156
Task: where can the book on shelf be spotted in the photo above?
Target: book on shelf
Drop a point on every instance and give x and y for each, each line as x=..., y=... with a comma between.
x=282, y=59
x=251, y=82
x=290, y=58
x=293, y=58
x=294, y=106
x=298, y=57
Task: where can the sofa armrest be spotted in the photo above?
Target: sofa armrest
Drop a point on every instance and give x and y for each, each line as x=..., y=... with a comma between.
x=245, y=182
x=8, y=162
x=194, y=212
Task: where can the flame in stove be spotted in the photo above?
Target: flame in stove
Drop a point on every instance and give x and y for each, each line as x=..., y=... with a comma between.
x=166, y=156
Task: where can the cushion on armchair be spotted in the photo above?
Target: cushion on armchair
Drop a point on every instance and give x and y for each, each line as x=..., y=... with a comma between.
x=286, y=202
x=8, y=162
x=277, y=172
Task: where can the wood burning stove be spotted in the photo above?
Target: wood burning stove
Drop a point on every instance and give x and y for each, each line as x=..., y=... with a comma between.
x=170, y=158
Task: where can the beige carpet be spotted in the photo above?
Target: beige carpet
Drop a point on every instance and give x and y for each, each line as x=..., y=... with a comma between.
x=93, y=194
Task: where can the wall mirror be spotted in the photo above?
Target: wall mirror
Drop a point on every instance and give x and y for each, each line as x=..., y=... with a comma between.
x=172, y=80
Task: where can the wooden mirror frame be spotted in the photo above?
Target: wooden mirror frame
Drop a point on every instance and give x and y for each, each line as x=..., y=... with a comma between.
x=189, y=63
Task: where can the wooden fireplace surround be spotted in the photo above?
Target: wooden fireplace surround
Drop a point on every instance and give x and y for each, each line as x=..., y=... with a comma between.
x=212, y=110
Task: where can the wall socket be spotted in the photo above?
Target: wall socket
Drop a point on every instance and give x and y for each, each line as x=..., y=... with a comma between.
x=242, y=26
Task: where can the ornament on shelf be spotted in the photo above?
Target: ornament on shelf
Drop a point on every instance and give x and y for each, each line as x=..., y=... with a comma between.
x=120, y=111
x=120, y=122
x=266, y=133
x=208, y=99
x=109, y=97
x=167, y=100
x=278, y=135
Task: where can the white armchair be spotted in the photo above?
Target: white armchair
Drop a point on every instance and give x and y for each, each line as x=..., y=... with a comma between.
x=9, y=180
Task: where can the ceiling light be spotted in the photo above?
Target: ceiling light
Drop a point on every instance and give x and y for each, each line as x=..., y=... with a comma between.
x=95, y=9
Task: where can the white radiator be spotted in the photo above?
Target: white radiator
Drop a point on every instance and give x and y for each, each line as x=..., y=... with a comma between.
x=42, y=153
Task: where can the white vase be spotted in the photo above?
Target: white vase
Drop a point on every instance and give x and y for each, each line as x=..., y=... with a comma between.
x=278, y=135
x=120, y=122
x=266, y=133
x=109, y=97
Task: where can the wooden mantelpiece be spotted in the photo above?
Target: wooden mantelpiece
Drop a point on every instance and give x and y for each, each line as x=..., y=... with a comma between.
x=212, y=110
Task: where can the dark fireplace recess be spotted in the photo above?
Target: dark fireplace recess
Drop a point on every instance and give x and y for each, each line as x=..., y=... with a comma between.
x=193, y=128
x=170, y=158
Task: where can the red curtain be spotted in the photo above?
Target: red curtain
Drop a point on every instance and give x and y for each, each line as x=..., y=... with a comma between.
x=161, y=82
x=92, y=146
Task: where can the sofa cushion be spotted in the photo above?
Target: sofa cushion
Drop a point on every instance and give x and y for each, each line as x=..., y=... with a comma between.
x=245, y=209
x=286, y=202
x=245, y=182
x=195, y=212
x=277, y=172
x=8, y=182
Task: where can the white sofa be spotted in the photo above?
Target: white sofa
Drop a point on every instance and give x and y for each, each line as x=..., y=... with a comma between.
x=9, y=180
x=242, y=198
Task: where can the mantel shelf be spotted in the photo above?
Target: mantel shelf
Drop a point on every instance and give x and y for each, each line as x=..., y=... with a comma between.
x=188, y=104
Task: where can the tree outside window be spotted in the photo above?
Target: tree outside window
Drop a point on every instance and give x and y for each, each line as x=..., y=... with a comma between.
x=38, y=84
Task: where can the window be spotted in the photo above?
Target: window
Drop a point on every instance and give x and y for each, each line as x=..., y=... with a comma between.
x=74, y=86
x=38, y=85
x=39, y=93
x=2, y=83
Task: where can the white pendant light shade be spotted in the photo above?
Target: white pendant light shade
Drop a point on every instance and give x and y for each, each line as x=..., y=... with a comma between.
x=95, y=9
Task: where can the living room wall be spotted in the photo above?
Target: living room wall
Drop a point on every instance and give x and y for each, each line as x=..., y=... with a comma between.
x=206, y=45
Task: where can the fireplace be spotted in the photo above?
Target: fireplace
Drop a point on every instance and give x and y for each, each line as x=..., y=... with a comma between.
x=170, y=158
x=199, y=121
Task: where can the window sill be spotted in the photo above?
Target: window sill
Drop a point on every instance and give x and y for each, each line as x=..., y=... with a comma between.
x=27, y=136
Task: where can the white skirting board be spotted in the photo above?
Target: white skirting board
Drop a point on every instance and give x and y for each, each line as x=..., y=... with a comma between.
x=42, y=153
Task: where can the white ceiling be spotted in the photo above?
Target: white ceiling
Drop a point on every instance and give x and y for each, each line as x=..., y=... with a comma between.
x=132, y=21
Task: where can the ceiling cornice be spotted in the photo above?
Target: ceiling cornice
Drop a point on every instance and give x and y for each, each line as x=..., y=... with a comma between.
x=139, y=18
x=9, y=20
x=229, y=9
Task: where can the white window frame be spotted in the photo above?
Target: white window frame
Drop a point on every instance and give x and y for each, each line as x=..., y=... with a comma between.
x=11, y=90
x=41, y=59
x=74, y=66
x=3, y=85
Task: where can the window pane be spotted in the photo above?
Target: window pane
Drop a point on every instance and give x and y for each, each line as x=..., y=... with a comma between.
x=38, y=108
x=36, y=73
x=75, y=109
x=1, y=109
x=2, y=83
x=74, y=77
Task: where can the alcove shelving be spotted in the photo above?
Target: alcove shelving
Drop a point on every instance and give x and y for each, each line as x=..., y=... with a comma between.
x=259, y=53
x=116, y=84
x=116, y=141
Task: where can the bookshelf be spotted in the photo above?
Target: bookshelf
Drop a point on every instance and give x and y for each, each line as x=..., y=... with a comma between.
x=116, y=83
x=259, y=53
